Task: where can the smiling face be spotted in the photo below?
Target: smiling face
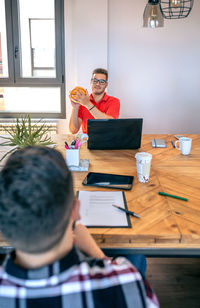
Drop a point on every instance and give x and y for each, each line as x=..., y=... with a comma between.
x=98, y=84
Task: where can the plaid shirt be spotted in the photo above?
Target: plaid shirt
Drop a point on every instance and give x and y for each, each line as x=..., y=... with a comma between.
x=75, y=281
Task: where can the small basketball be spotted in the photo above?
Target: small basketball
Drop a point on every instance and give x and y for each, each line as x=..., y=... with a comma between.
x=73, y=94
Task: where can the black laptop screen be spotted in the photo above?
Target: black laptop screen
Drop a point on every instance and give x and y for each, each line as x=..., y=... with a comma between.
x=114, y=134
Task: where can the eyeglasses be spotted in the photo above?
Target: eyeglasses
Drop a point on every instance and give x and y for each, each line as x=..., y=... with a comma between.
x=101, y=81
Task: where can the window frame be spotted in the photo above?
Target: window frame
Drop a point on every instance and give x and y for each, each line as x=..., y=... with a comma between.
x=14, y=79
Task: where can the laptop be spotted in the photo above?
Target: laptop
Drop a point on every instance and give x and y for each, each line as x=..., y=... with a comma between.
x=114, y=134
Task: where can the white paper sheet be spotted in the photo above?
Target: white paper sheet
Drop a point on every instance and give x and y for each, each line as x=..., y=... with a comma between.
x=96, y=208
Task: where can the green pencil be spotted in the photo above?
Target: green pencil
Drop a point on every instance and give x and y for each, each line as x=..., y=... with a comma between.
x=173, y=196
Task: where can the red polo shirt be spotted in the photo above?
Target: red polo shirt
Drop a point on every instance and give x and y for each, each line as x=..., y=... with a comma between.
x=108, y=104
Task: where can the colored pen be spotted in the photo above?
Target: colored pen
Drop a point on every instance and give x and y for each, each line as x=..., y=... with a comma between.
x=172, y=142
x=126, y=211
x=78, y=144
x=172, y=196
x=66, y=145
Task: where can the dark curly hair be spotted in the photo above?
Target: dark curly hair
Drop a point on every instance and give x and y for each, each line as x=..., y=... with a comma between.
x=36, y=197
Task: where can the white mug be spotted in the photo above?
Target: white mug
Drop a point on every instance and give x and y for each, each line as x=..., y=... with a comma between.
x=185, y=144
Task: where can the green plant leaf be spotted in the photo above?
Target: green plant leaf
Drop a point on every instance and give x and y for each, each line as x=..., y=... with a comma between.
x=24, y=133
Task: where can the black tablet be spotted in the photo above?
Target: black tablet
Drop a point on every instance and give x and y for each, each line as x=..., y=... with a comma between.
x=108, y=180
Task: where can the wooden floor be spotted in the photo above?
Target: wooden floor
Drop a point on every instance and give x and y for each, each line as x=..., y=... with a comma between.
x=175, y=281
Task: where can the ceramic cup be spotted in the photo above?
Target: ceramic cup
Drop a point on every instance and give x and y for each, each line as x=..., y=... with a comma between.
x=143, y=162
x=185, y=145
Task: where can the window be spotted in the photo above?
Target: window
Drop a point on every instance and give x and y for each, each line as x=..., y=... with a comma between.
x=42, y=47
x=32, y=58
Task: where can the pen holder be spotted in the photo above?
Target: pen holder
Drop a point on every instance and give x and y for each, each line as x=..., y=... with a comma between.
x=73, y=157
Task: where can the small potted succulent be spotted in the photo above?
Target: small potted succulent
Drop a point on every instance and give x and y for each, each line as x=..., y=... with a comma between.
x=25, y=134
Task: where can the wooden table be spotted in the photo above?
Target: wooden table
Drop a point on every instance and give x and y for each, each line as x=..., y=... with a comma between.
x=167, y=226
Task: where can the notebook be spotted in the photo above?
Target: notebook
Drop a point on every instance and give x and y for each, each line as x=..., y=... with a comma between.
x=97, y=209
x=114, y=134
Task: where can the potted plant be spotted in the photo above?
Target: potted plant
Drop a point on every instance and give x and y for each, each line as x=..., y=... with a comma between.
x=25, y=134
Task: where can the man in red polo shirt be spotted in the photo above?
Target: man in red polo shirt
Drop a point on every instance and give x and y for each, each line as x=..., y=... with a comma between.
x=96, y=106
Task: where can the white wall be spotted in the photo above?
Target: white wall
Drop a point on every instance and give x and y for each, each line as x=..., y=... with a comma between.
x=86, y=45
x=154, y=72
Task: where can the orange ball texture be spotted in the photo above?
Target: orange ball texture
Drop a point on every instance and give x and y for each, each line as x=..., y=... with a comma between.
x=73, y=94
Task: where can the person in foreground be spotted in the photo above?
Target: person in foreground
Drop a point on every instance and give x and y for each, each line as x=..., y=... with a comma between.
x=96, y=106
x=56, y=264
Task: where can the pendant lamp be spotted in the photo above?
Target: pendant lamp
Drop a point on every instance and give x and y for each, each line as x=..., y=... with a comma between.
x=175, y=9
x=152, y=17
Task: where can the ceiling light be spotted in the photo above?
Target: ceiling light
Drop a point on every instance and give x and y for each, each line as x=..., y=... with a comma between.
x=175, y=9
x=176, y=3
x=152, y=17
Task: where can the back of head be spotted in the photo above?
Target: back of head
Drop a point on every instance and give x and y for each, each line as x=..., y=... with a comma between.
x=36, y=198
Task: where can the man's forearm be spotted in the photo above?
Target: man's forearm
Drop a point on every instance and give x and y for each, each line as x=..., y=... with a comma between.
x=85, y=242
x=97, y=114
x=74, y=123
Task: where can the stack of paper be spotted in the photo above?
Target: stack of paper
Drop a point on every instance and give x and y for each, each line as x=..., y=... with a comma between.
x=97, y=210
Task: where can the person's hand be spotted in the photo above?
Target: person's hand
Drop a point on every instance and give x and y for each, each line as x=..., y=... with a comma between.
x=75, y=104
x=81, y=98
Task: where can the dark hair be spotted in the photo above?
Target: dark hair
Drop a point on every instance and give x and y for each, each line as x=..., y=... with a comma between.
x=100, y=71
x=36, y=197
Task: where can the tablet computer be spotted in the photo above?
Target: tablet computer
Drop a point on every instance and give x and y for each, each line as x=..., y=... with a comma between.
x=108, y=180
